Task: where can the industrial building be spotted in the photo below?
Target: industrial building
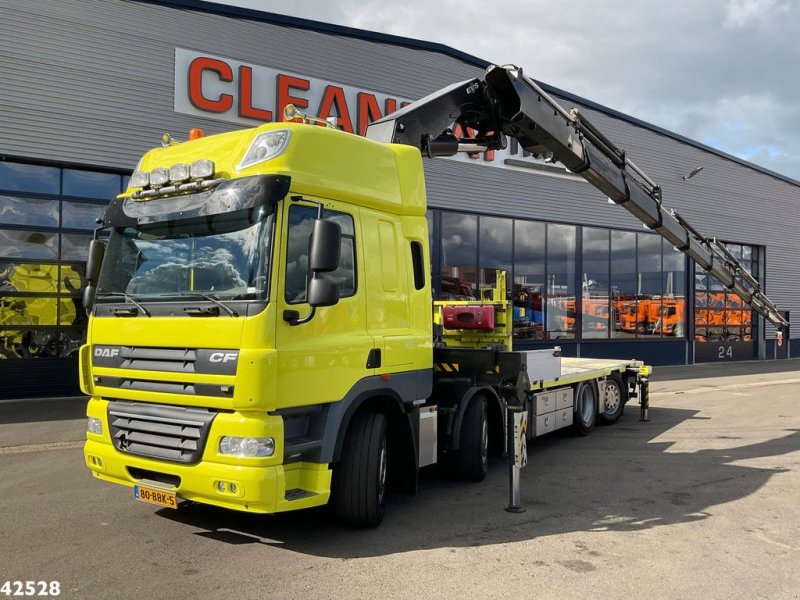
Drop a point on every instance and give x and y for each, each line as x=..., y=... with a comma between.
x=92, y=84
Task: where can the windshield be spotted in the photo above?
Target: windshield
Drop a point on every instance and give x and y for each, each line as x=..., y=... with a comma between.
x=224, y=257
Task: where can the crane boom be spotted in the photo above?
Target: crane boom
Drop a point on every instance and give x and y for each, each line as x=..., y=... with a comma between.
x=507, y=103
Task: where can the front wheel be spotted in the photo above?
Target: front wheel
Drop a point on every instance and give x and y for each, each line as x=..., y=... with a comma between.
x=359, y=479
x=585, y=408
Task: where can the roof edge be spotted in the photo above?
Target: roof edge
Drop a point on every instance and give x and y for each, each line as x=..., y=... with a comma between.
x=258, y=15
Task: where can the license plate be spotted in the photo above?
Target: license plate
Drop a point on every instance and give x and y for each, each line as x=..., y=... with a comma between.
x=154, y=496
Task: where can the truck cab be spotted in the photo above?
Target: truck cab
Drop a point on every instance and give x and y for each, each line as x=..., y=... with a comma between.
x=228, y=350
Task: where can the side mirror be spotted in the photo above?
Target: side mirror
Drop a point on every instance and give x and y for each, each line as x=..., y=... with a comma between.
x=97, y=250
x=324, y=247
x=322, y=292
x=89, y=293
x=94, y=261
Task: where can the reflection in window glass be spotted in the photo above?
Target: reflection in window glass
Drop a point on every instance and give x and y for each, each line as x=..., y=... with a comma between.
x=528, y=290
x=459, y=256
x=301, y=222
x=495, y=250
x=88, y=184
x=595, y=283
x=560, y=309
x=80, y=215
x=29, y=178
x=28, y=211
x=672, y=321
x=74, y=246
x=39, y=343
x=28, y=244
x=649, y=284
x=624, y=308
x=37, y=277
x=721, y=315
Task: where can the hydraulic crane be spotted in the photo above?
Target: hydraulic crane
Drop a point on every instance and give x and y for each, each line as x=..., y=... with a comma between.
x=507, y=103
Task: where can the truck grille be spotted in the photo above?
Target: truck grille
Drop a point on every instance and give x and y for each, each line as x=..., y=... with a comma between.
x=170, y=433
x=138, y=368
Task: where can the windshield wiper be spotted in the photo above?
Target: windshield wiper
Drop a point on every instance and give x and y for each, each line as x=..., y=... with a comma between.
x=212, y=298
x=128, y=298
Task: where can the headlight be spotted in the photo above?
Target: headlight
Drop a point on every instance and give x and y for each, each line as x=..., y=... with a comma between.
x=94, y=425
x=246, y=446
x=266, y=146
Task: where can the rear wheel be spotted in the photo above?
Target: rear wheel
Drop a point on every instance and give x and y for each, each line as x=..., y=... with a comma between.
x=472, y=458
x=614, y=400
x=359, y=479
x=585, y=408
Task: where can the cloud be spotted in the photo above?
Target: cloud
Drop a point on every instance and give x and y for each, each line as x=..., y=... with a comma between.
x=749, y=13
x=689, y=67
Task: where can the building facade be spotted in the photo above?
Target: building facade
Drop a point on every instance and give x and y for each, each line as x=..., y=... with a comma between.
x=92, y=84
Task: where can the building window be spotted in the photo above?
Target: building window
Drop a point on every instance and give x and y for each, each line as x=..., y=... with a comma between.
x=495, y=250
x=595, y=297
x=528, y=289
x=560, y=293
x=459, y=257
x=36, y=179
x=89, y=184
x=719, y=314
x=43, y=244
x=33, y=212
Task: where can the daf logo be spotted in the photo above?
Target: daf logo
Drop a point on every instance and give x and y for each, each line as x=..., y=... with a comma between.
x=223, y=357
x=106, y=352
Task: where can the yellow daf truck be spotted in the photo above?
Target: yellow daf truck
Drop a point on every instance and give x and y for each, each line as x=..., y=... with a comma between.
x=262, y=335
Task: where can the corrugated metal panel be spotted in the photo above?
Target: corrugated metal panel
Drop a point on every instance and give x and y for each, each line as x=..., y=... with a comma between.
x=91, y=81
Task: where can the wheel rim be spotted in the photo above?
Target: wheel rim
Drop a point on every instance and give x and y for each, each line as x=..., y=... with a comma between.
x=382, y=473
x=613, y=397
x=587, y=408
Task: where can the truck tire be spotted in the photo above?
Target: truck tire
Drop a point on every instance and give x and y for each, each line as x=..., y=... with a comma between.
x=585, y=408
x=614, y=400
x=472, y=458
x=359, y=479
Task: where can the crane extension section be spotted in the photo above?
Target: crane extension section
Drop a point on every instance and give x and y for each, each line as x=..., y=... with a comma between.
x=507, y=103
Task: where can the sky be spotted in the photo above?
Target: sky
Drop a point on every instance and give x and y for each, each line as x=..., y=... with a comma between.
x=725, y=73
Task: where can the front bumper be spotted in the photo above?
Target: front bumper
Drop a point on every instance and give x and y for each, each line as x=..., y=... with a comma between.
x=260, y=487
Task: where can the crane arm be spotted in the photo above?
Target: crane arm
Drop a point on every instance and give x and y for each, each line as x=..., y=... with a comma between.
x=507, y=103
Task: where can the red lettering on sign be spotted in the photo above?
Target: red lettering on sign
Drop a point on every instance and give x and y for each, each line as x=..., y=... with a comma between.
x=368, y=111
x=223, y=70
x=286, y=86
x=246, y=108
x=333, y=97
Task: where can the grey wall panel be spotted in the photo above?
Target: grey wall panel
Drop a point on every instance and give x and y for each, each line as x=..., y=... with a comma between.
x=109, y=65
x=91, y=82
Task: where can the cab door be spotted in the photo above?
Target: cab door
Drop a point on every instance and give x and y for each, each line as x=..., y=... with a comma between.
x=321, y=360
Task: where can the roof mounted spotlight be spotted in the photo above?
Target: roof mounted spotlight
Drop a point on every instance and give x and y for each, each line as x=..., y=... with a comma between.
x=692, y=173
x=290, y=113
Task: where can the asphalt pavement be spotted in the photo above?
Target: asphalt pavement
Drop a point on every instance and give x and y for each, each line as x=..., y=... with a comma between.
x=701, y=502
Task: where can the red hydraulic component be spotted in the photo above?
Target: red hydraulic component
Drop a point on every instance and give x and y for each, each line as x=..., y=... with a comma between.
x=469, y=317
